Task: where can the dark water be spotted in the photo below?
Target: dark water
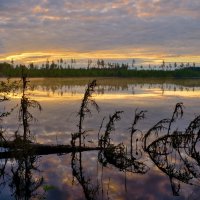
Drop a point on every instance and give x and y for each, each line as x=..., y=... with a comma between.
x=129, y=171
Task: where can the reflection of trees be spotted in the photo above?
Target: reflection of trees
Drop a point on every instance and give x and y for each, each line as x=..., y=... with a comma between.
x=102, y=89
x=23, y=184
x=89, y=189
x=74, y=86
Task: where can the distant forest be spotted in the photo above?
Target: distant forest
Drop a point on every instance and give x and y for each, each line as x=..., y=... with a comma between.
x=100, y=68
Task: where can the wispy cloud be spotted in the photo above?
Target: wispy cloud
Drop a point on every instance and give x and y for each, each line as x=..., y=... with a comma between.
x=161, y=27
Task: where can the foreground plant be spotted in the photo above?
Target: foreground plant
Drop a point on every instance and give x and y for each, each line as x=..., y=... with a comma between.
x=175, y=152
x=87, y=101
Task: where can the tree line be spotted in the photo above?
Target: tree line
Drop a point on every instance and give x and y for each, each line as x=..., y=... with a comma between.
x=99, y=68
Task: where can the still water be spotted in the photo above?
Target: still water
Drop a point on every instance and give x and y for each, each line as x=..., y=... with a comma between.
x=95, y=174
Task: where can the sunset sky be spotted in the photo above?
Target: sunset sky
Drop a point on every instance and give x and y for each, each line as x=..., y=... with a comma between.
x=147, y=30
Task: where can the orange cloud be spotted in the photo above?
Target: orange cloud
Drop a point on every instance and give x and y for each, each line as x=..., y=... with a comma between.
x=148, y=55
x=39, y=10
x=28, y=57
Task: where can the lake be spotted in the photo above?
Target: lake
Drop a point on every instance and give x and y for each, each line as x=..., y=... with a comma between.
x=152, y=162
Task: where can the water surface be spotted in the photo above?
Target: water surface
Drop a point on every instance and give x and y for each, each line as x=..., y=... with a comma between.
x=57, y=174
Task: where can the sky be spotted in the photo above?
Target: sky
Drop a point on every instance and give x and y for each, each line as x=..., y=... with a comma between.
x=148, y=31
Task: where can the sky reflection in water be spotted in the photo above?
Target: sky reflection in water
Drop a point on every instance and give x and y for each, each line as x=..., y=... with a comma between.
x=60, y=100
